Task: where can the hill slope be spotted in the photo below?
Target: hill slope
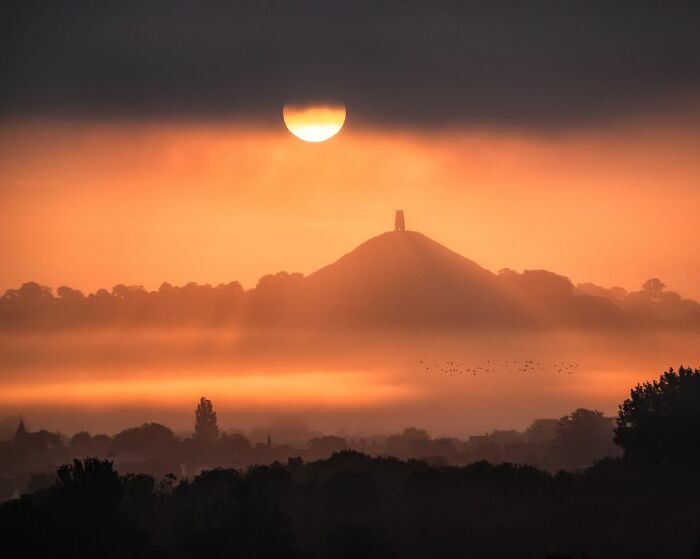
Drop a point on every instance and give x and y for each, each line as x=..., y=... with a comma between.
x=404, y=275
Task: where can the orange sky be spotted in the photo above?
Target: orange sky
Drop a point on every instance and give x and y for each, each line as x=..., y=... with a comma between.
x=95, y=204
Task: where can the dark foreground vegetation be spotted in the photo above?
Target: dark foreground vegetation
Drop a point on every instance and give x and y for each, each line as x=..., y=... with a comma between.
x=352, y=505
x=644, y=504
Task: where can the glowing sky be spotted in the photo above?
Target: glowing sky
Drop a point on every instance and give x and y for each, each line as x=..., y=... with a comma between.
x=92, y=204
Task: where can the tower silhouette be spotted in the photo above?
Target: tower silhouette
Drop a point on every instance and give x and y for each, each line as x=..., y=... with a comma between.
x=399, y=221
x=21, y=433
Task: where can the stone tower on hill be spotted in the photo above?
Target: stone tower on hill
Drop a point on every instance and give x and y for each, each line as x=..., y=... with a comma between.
x=399, y=221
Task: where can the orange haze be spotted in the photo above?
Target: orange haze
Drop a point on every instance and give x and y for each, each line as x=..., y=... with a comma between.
x=93, y=205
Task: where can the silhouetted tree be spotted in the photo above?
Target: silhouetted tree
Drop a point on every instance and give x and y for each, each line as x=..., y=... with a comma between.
x=659, y=424
x=408, y=442
x=225, y=514
x=205, y=427
x=234, y=443
x=80, y=516
x=148, y=439
x=541, y=431
x=583, y=437
x=89, y=481
x=81, y=444
x=68, y=294
x=30, y=292
x=653, y=288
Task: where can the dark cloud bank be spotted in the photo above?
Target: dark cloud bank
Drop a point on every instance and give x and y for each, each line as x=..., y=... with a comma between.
x=541, y=64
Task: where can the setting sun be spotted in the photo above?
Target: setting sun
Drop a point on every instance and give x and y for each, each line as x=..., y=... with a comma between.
x=314, y=123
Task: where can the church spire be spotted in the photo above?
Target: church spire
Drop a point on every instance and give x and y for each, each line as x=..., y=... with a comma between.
x=21, y=430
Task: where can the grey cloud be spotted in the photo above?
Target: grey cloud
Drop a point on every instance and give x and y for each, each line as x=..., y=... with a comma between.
x=515, y=63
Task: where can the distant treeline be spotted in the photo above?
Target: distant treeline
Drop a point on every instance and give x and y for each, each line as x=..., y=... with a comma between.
x=572, y=442
x=530, y=299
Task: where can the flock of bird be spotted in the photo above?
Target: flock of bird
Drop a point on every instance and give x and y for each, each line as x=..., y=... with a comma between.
x=499, y=365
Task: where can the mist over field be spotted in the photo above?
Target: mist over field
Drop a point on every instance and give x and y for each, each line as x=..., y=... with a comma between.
x=358, y=383
x=399, y=331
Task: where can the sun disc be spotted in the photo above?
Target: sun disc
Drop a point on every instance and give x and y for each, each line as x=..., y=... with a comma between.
x=314, y=123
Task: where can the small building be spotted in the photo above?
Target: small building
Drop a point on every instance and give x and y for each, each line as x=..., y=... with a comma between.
x=39, y=440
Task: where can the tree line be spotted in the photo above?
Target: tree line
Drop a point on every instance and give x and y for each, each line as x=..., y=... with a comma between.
x=285, y=298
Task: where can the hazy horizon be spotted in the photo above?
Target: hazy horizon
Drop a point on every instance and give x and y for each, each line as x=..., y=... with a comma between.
x=104, y=382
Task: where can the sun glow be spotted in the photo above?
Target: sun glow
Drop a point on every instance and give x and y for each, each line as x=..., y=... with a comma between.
x=314, y=123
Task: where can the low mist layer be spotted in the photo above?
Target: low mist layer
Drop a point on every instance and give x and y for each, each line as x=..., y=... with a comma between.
x=456, y=384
